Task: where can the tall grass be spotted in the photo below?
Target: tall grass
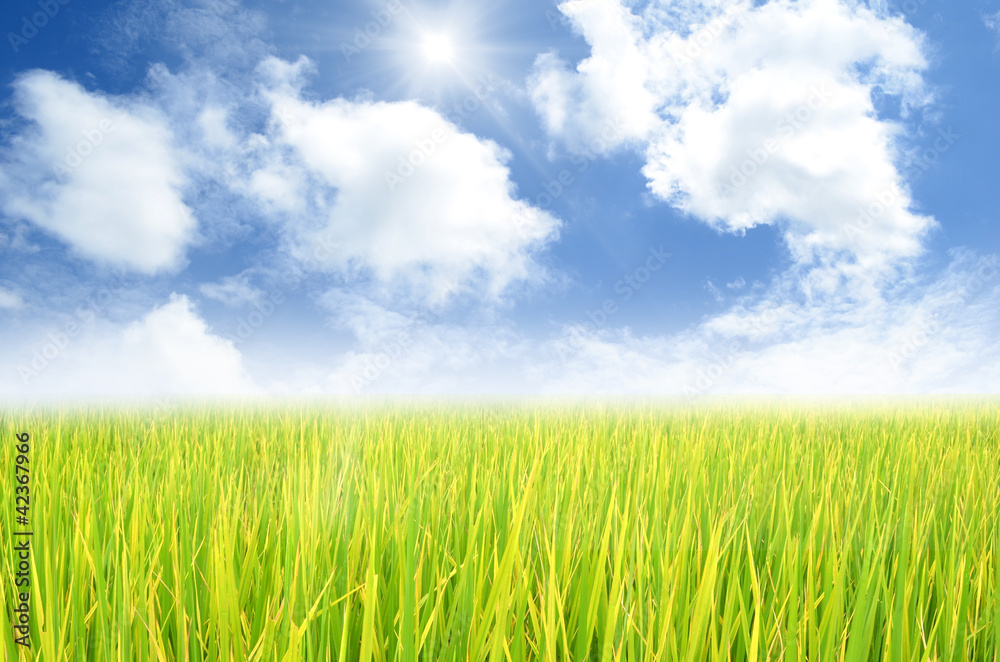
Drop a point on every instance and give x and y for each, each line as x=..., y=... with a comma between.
x=502, y=532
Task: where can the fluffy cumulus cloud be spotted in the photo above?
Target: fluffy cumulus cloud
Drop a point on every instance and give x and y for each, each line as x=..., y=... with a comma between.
x=170, y=350
x=99, y=173
x=751, y=113
x=395, y=192
x=173, y=349
x=609, y=89
x=744, y=112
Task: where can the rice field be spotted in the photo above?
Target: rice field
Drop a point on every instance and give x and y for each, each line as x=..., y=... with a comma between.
x=506, y=531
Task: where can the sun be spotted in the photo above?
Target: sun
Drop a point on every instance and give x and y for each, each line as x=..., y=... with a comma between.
x=438, y=48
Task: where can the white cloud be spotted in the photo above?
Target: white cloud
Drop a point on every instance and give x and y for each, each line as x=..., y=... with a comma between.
x=992, y=21
x=763, y=115
x=399, y=193
x=752, y=115
x=234, y=291
x=698, y=88
x=170, y=350
x=97, y=172
x=10, y=300
x=214, y=128
x=413, y=352
x=933, y=336
x=607, y=89
x=737, y=284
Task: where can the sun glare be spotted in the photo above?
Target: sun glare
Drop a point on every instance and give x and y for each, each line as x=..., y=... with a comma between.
x=437, y=49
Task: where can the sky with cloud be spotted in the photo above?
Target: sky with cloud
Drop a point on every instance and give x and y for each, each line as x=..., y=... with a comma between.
x=592, y=196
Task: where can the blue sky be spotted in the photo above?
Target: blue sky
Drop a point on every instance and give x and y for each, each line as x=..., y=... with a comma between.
x=410, y=197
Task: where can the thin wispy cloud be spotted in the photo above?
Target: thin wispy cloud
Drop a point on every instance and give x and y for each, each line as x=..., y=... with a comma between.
x=992, y=22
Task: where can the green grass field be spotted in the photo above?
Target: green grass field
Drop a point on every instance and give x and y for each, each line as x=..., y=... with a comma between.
x=510, y=532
